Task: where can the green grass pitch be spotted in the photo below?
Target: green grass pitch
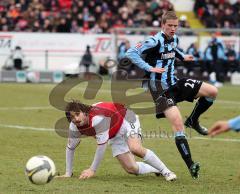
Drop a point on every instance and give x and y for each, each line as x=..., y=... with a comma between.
x=24, y=108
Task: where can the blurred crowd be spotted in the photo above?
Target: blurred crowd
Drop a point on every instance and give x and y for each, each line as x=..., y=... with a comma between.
x=92, y=16
x=218, y=13
x=102, y=16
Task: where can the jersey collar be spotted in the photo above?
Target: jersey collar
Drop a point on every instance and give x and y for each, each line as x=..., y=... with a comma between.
x=166, y=38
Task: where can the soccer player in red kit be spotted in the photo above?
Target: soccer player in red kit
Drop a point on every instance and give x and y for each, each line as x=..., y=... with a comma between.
x=120, y=127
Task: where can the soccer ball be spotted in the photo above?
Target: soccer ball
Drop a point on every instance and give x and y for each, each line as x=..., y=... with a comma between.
x=40, y=170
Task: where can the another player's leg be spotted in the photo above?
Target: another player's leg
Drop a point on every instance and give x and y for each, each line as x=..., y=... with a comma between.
x=175, y=118
x=207, y=94
x=149, y=157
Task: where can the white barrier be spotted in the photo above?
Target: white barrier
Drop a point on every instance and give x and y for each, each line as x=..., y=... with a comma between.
x=31, y=76
x=55, y=51
x=235, y=78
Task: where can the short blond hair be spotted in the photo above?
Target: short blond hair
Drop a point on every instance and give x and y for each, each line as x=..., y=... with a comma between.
x=169, y=15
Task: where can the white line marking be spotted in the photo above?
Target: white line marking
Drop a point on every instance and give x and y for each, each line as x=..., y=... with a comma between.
x=26, y=127
x=228, y=102
x=27, y=108
x=50, y=129
x=217, y=139
x=50, y=107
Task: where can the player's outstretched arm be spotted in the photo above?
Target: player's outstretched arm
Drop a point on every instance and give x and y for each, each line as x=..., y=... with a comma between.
x=143, y=48
x=90, y=172
x=219, y=127
x=73, y=142
x=223, y=126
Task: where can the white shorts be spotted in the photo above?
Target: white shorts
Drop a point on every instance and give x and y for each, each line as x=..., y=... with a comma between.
x=129, y=127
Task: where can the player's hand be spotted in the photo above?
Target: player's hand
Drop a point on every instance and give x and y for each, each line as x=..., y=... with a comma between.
x=188, y=58
x=62, y=176
x=219, y=127
x=157, y=70
x=88, y=173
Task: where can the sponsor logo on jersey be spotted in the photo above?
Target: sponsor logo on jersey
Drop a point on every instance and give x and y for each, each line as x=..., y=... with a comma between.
x=170, y=101
x=168, y=55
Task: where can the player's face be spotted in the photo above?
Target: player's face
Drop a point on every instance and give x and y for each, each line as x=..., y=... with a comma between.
x=170, y=28
x=79, y=118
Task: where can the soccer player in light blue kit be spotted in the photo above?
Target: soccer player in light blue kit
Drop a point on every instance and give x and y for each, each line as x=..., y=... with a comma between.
x=224, y=126
x=156, y=56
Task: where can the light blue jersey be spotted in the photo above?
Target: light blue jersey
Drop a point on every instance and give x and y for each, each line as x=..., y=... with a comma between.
x=157, y=51
x=234, y=123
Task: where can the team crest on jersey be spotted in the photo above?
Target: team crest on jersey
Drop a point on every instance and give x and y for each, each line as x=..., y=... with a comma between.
x=170, y=101
x=138, y=45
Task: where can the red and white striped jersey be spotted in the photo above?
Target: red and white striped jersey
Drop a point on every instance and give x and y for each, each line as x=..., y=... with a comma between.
x=105, y=120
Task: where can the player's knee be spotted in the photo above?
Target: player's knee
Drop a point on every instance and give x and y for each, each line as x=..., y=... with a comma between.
x=138, y=151
x=214, y=92
x=132, y=169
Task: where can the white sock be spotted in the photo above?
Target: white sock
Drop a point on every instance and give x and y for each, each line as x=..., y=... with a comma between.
x=152, y=159
x=144, y=168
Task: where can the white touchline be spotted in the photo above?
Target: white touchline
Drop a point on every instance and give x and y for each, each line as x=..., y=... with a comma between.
x=228, y=102
x=27, y=108
x=26, y=127
x=51, y=129
x=53, y=108
x=217, y=139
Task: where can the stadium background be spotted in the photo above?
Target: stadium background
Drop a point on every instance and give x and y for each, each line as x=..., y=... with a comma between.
x=54, y=48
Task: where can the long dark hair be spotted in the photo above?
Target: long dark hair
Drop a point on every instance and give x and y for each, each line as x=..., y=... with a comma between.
x=76, y=106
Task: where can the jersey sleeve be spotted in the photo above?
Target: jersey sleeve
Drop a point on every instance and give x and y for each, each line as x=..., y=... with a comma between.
x=135, y=53
x=98, y=156
x=73, y=142
x=73, y=136
x=102, y=138
x=234, y=123
x=179, y=54
x=101, y=125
